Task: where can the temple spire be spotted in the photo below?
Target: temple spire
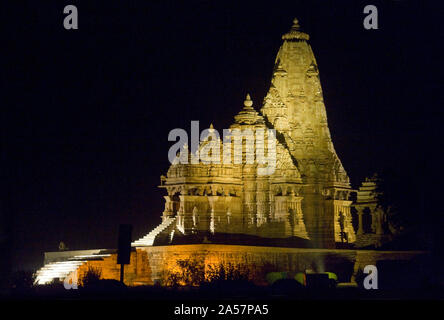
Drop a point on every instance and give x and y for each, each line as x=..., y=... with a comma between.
x=248, y=115
x=295, y=107
x=248, y=103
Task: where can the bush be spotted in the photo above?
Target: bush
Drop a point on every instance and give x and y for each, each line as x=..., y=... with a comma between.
x=227, y=272
x=91, y=277
x=193, y=273
x=187, y=273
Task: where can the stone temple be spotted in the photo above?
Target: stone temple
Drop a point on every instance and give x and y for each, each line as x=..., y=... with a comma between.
x=221, y=212
x=306, y=194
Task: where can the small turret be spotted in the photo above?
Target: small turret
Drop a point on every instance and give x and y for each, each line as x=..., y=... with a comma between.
x=248, y=115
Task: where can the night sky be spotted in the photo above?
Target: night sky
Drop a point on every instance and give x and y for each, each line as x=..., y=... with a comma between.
x=88, y=111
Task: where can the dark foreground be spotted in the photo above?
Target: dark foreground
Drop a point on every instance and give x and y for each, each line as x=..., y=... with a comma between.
x=225, y=301
x=230, y=291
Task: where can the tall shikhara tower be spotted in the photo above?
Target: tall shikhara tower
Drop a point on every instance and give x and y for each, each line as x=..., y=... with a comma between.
x=305, y=198
x=294, y=106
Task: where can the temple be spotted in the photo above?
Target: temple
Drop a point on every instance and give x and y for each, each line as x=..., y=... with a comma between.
x=216, y=209
x=306, y=197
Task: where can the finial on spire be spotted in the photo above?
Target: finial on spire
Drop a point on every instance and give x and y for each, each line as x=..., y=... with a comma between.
x=295, y=32
x=248, y=102
x=211, y=126
x=296, y=25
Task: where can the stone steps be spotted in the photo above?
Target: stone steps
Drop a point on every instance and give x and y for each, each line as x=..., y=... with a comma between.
x=61, y=269
x=56, y=271
x=148, y=240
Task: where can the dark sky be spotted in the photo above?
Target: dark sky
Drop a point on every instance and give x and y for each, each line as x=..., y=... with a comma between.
x=88, y=111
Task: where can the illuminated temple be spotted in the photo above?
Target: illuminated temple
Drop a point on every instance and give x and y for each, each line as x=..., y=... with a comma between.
x=228, y=211
x=306, y=195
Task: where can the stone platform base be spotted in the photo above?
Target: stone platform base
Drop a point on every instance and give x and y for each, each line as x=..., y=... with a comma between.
x=150, y=264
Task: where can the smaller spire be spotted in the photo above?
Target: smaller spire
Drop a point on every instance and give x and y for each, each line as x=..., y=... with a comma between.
x=248, y=115
x=211, y=127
